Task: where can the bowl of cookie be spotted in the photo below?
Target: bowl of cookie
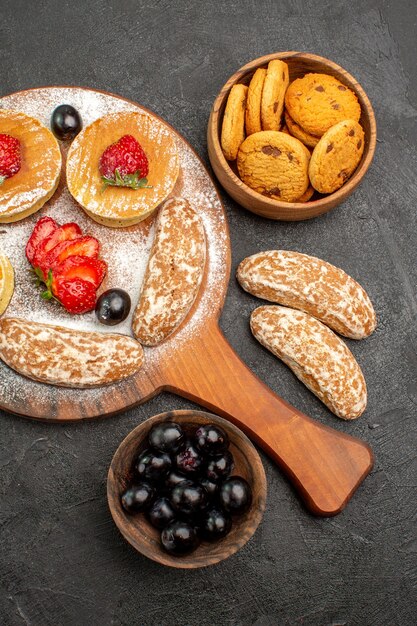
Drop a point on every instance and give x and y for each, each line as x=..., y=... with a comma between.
x=291, y=135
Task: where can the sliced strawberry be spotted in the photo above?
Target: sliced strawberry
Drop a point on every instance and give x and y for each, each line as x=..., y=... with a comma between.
x=92, y=270
x=76, y=295
x=43, y=229
x=63, y=233
x=45, y=261
x=66, y=261
x=81, y=246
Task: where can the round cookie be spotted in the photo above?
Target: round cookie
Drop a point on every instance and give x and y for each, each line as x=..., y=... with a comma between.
x=274, y=164
x=34, y=184
x=233, y=128
x=306, y=195
x=297, y=132
x=336, y=156
x=318, y=101
x=273, y=94
x=253, y=103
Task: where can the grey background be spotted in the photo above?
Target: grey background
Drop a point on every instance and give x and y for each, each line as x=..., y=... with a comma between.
x=62, y=561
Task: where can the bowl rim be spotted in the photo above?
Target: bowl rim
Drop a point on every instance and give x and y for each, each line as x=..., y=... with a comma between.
x=290, y=207
x=117, y=513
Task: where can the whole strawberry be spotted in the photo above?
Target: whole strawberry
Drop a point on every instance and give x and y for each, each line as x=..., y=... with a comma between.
x=124, y=164
x=10, y=159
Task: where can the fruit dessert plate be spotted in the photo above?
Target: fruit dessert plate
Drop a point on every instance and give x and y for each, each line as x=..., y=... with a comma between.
x=195, y=361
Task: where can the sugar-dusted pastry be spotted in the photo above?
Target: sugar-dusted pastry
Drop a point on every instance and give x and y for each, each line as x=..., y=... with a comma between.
x=312, y=285
x=316, y=355
x=174, y=273
x=98, y=167
x=30, y=165
x=67, y=357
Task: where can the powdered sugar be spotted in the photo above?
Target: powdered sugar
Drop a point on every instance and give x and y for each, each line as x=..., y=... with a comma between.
x=126, y=250
x=39, y=175
x=83, y=177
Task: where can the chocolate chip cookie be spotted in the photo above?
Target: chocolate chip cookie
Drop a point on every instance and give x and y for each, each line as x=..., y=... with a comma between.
x=299, y=133
x=253, y=102
x=274, y=164
x=318, y=101
x=336, y=156
x=273, y=94
x=233, y=128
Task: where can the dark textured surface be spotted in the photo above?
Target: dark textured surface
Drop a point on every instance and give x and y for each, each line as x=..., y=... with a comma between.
x=62, y=561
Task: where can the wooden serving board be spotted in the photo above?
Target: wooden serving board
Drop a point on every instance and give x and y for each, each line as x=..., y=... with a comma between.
x=196, y=362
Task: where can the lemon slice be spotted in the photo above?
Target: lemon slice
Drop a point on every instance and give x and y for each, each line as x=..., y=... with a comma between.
x=6, y=282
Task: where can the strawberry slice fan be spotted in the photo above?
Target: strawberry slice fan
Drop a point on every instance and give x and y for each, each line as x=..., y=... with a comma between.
x=67, y=262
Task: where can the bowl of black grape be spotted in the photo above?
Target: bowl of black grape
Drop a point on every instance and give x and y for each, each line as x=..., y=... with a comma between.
x=186, y=489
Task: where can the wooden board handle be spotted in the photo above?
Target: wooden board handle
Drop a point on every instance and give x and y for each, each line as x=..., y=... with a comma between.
x=325, y=465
